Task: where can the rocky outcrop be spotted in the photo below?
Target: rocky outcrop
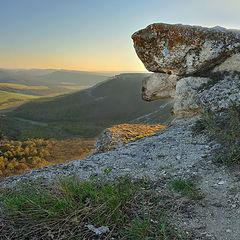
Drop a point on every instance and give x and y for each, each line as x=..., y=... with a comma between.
x=185, y=100
x=184, y=50
x=185, y=57
x=223, y=95
x=107, y=142
x=231, y=64
x=117, y=136
x=159, y=86
x=221, y=90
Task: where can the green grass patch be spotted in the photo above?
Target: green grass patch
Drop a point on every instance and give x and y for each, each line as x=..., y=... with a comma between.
x=5, y=96
x=64, y=209
x=16, y=128
x=147, y=228
x=12, y=95
x=31, y=122
x=186, y=188
x=21, y=86
x=224, y=128
x=9, y=99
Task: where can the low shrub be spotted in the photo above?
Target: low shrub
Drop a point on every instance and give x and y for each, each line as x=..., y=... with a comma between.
x=224, y=128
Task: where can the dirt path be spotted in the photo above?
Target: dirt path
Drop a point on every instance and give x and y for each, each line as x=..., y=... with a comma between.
x=217, y=215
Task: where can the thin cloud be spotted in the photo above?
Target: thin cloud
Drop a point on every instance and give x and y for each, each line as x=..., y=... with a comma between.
x=223, y=5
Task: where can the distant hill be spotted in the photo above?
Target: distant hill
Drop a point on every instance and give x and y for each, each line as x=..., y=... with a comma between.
x=19, y=85
x=4, y=74
x=50, y=77
x=117, y=99
x=87, y=112
x=71, y=78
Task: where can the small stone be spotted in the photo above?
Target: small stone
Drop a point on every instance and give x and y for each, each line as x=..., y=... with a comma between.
x=228, y=230
x=153, y=221
x=217, y=205
x=99, y=230
x=221, y=183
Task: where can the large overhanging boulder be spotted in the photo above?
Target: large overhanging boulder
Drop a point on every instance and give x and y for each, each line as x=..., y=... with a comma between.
x=184, y=60
x=184, y=50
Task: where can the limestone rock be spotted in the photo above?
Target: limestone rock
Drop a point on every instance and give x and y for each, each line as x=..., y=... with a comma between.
x=107, y=142
x=185, y=100
x=223, y=95
x=159, y=86
x=231, y=64
x=184, y=50
x=115, y=137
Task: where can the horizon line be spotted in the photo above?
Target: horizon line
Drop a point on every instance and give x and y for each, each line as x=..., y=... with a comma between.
x=65, y=69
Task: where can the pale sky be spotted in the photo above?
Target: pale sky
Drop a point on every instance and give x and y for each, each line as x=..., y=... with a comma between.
x=95, y=35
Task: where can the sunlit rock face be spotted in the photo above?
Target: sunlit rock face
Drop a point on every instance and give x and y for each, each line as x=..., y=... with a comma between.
x=119, y=135
x=159, y=86
x=184, y=50
x=231, y=64
x=185, y=100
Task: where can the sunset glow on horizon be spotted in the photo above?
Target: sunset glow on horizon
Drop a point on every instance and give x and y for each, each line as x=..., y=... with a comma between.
x=93, y=35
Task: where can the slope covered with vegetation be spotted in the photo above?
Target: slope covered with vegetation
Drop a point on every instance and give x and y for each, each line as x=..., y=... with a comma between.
x=19, y=86
x=224, y=128
x=50, y=77
x=85, y=113
x=10, y=99
x=17, y=157
x=116, y=99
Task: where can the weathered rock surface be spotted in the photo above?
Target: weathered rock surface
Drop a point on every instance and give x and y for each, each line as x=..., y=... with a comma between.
x=107, y=142
x=159, y=86
x=223, y=95
x=184, y=50
x=231, y=64
x=185, y=100
x=118, y=135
